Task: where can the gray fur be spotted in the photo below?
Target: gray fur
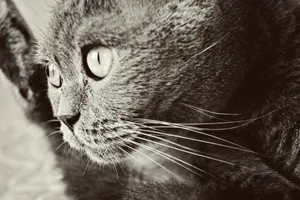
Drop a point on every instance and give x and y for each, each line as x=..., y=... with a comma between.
x=154, y=73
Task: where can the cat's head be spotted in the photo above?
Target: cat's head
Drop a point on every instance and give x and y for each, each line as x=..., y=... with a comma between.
x=110, y=63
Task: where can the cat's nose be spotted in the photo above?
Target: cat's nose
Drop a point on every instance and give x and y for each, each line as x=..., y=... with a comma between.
x=69, y=120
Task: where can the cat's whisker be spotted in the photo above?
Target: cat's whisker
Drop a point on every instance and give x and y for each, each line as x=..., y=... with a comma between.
x=69, y=150
x=197, y=123
x=152, y=160
x=86, y=167
x=72, y=156
x=54, y=133
x=212, y=45
x=190, y=125
x=128, y=154
x=209, y=129
x=163, y=139
x=214, y=123
x=49, y=121
x=36, y=26
x=157, y=131
x=82, y=154
x=64, y=151
x=113, y=165
x=191, y=139
x=60, y=146
x=194, y=130
x=200, y=141
x=115, y=168
x=170, y=142
x=72, y=152
x=189, y=152
x=238, y=126
x=124, y=151
x=211, y=112
x=122, y=168
x=43, y=34
x=173, y=159
x=223, y=129
x=207, y=114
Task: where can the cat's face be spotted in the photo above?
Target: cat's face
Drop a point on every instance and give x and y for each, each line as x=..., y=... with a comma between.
x=110, y=63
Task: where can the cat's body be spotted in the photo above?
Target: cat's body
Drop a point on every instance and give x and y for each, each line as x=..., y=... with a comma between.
x=173, y=63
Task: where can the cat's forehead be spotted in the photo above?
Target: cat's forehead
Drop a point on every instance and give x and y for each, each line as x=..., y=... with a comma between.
x=76, y=23
x=71, y=15
x=83, y=20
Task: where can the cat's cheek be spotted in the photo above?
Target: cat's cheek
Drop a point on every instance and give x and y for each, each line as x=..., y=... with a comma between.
x=54, y=97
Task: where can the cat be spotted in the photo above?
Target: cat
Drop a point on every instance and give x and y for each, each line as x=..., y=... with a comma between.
x=177, y=99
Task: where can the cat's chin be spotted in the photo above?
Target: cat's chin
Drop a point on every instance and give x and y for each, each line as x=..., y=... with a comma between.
x=108, y=157
x=108, y=154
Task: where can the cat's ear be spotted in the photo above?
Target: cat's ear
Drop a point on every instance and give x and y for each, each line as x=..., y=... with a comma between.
x=17, y=45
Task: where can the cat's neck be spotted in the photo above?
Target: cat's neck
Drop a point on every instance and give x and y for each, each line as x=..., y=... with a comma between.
x=154, y=162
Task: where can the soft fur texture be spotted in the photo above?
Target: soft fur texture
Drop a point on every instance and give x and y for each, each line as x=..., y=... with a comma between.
x=182, y=68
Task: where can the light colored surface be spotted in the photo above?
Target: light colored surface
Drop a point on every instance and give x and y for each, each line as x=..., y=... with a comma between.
x=27, y=170
x=36, y=14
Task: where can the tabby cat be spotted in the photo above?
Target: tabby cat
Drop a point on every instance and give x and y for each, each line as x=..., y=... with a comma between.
x=174, y=99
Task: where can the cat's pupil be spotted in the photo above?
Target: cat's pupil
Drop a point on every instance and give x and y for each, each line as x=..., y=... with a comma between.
x=47, y=71
x=98, y=58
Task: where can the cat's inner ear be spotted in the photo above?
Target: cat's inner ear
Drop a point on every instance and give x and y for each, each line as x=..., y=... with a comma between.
x=99, y=61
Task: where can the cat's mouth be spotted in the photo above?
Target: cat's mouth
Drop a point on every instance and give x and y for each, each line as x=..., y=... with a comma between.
x=107, y=150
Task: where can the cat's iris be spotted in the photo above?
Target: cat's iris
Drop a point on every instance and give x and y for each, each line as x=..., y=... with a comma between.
x=99, y=61
x=53, y=75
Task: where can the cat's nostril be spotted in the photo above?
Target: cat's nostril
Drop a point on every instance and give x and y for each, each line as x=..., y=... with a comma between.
x=69, y=120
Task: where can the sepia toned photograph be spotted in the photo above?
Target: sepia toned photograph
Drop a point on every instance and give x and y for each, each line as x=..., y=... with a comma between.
x=149, y=100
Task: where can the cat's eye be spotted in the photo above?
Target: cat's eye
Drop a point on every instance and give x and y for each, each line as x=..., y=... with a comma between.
x=99, y=61
x=53, y=75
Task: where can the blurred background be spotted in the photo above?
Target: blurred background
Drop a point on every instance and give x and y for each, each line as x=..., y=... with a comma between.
x=27, y=166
